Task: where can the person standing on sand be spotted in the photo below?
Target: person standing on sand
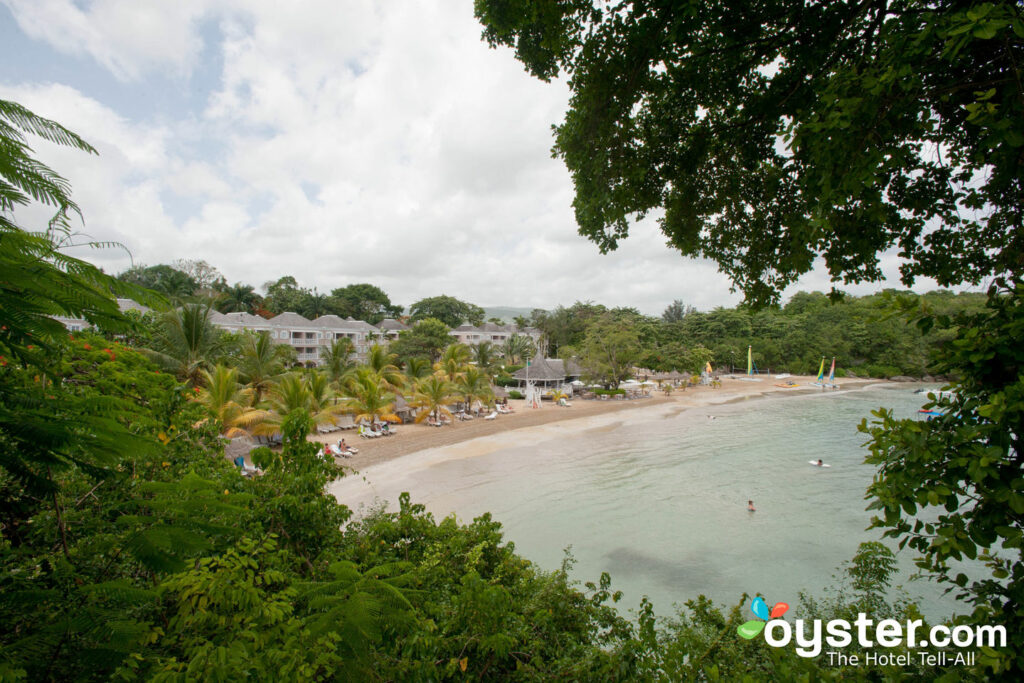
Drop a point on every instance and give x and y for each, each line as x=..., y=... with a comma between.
x=750, y=506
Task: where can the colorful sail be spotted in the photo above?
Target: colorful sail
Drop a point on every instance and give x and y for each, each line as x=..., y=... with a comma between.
x=750, y=361
x=821, y=370
x=832, y=372
x=707, y=368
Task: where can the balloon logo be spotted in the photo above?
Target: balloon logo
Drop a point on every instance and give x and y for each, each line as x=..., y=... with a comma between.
x=760, y=609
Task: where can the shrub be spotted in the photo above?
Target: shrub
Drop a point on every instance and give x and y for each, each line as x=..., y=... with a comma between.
x=514, y=394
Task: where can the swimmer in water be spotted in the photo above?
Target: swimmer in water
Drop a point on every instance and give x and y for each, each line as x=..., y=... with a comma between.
x=750, y=506
x=820, y=463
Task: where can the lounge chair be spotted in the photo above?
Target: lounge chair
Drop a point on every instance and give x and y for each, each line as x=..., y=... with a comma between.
x=492, y=416
x=565, y=404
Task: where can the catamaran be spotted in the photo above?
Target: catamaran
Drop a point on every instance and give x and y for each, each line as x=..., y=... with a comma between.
x=831, y=383
x=751, y=368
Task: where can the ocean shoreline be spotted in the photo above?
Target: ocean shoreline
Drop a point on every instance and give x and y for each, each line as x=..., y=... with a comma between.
x=388, y=458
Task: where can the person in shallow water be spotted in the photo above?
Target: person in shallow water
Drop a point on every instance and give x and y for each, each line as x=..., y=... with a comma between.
x=750, y=506
x=820, y=463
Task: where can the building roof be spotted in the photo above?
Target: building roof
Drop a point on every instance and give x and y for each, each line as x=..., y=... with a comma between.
x=351, y=323
x=391, y=324
x=542, y=369
x=239, y=318
x=329, y=320
x=289, y=319
x=129, y=305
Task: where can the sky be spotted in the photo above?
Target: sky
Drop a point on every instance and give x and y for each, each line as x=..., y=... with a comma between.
x=338, y=142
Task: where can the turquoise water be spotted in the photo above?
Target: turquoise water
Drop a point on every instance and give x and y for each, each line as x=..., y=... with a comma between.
x=661, y=504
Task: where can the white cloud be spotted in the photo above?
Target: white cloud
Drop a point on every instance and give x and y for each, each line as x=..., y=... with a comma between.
x=125, y=36
x=363, y=142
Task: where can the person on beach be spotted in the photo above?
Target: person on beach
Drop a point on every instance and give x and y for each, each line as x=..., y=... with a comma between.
x=750, y=506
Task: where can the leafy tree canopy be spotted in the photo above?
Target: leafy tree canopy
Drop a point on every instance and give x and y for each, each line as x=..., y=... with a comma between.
x=162, y=278
x=426, y=339
x=363, y=301
x=448, y=310
x=772, y=134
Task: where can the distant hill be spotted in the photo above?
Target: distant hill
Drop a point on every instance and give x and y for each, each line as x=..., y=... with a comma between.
x=506, y=313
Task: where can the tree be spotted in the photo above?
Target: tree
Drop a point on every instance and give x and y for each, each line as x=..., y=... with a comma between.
x=609, y=352
x=227, y=401
x=261, y=362
x=676, y=311
x=164, y=279
x=950, y=487
x=369, y=398
x=363, y=301
x=424, y=340
x=433, y=395
x=382, y=362
x=448, y=310
x=518, y=349
x=485, y=355
x=186, y=343
x=286, y=295
x=338, y=359
x=238, y=297
x=774, y=133
x=207, y=278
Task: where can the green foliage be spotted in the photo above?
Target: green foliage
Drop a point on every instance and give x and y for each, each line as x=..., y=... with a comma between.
x=186, y=343
x=166, y=280
x=363, y=302
x=515, y=394
x=608, y=352
x=425, y=340
x=448, y=310
x=950, y=488
x=775, y=133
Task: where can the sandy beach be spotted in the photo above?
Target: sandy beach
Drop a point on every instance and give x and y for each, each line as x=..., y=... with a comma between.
x=527, y=424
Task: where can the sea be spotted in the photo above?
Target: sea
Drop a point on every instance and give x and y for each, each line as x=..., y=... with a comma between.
x=659, y=498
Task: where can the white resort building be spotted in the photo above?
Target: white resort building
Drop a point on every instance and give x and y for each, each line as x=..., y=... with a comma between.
x=307, y=337
x=496, y=334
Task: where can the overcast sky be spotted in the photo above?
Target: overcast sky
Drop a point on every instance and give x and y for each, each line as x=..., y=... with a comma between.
x=338, y=142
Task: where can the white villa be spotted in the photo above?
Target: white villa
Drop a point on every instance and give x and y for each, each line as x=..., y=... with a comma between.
x=496, y=334
x=79, y=324
x=307, y=337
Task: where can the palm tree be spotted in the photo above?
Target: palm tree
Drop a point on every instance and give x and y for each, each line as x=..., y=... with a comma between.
x=453, y=361
x=369, y=399
x=186, y=342
x=295, y=392
x=314, y=305
x=383, y=363
x=474, y=385
x=237, y=297
x=227, y=401
x=337, y=360
x=518, y=348
x=484, y=355
x=433, y=394
x=417, y=368
x=261, y=363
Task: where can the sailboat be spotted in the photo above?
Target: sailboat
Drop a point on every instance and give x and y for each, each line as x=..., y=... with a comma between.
x=831, y=382
x=751, y=368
